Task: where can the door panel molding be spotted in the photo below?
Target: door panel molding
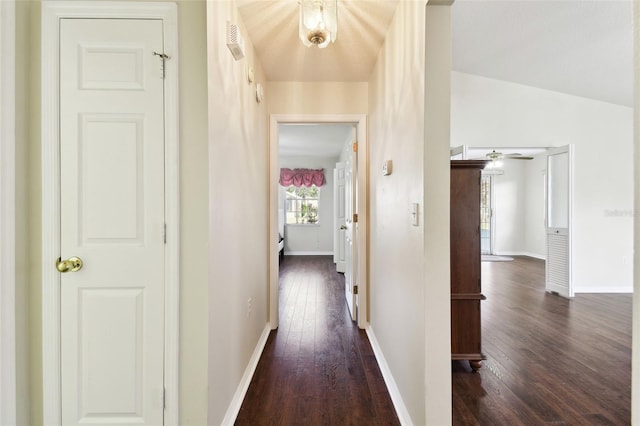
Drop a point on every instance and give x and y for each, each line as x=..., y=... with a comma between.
x=52, y=13
x=360, y=121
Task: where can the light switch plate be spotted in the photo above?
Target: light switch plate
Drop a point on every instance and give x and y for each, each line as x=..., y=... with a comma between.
x=414, y=214
x=387, y=167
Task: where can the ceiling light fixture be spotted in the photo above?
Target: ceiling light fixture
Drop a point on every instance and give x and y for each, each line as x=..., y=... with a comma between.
x=318, y=22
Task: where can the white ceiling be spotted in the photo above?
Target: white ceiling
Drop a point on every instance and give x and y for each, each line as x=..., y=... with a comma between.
x=578, y=47
x=315, y=140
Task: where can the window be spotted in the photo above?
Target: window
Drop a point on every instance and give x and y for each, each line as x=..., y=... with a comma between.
x=301, y=205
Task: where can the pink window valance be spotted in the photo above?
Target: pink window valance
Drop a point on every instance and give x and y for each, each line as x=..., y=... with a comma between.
x=301, y=177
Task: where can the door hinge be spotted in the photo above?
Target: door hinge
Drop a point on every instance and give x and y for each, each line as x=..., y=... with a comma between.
x=355, y=147
x=164, y=233
x=355, y=289
x=355, y=218
x=163, y=56
x=164, y=398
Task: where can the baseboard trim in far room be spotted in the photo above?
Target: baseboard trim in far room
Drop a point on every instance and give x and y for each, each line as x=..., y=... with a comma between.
x=308, y=253
x=392, y=387
x=603, y=290
x=241, y=391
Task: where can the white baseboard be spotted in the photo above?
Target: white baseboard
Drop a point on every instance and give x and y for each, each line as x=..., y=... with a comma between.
x=308, y=253
x=394, y=392
x=238, y=397
x=603, y=289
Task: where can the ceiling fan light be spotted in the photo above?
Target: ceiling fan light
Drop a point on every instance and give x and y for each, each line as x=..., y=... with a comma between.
x=318, y=22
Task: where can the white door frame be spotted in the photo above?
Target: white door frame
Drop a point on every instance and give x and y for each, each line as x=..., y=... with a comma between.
x=52, y=13
x=363, y=172
x=7, y=215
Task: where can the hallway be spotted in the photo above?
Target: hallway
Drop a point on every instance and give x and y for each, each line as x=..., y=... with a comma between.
x=317, y=367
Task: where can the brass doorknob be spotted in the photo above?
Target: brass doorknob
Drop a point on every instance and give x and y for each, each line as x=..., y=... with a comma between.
x=73, y=264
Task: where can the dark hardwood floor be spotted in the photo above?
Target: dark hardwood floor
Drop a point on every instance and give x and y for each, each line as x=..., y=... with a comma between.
x=549, y=360
x=318, y=367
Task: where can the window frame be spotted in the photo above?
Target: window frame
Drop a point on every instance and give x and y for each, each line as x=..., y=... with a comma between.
x=298, y=212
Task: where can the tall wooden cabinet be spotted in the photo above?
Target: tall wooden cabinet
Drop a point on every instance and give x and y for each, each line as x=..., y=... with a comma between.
x=466, y=286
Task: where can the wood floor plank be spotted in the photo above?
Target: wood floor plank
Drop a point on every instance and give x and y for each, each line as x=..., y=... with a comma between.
x=318, y=368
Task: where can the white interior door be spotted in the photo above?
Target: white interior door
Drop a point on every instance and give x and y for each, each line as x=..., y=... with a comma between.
x=559, y=201
x=112, y=218
x=351, y=231
x=339, y=207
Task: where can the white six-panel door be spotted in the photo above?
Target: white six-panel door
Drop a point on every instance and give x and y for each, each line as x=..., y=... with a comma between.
x=112, y=218
x=351, y=232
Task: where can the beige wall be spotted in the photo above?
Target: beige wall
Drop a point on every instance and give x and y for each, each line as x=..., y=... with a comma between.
x=409, y=124
x=294, y=97
x=437, y=277
x=396, y=132
x=238, y=178
x=23, y=262
x=194, y=205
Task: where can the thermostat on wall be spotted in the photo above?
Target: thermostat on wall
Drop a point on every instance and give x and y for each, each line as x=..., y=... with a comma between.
x=386, y=167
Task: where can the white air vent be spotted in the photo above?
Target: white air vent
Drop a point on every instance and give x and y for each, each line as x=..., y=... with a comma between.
x=235, y=43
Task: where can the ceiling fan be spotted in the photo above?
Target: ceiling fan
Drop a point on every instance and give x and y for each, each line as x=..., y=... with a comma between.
x=494, y=156
x=494, y=167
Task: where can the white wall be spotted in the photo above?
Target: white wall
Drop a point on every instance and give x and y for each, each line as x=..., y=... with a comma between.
x=238, y=188
x=396, y=132
x=535, y=237
x=495, y=113
x=509, y=190
x=316, y=238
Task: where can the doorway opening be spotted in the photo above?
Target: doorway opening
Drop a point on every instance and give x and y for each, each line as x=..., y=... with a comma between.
x=307, y=221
